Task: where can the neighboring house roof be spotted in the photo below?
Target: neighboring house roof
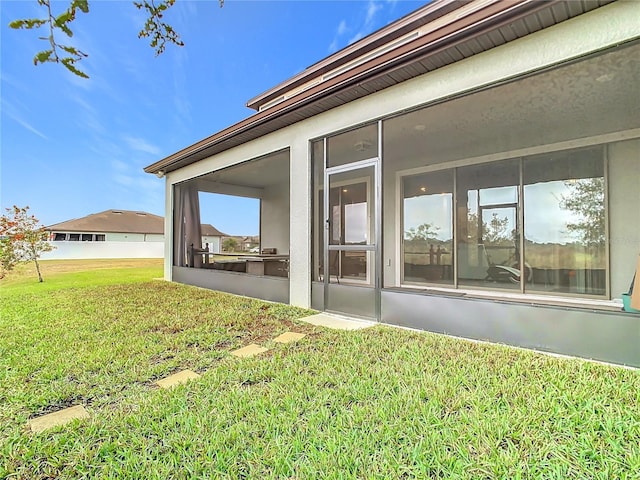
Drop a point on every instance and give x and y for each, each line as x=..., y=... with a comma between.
x=121, y=221
x=113, y=221
x=438, y=34
x=209, y=230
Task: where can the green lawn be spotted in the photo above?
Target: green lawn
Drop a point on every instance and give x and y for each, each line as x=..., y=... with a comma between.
x=377, y=403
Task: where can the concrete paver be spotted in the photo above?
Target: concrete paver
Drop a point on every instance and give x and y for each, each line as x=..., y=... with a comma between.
x=289, y=337
x=177, y=378
x=60, y=417
x=249, y=351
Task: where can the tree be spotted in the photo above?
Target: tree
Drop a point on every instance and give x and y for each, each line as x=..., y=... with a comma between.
x=496, y=230
x=154, y=28
x=22, y=239
x=425, y=232
x=8, y=258
x=586, y=201
x=230, y=245
x=493, y=232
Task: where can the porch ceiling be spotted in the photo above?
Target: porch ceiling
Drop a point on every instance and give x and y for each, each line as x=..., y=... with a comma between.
x=260, y=173
x=591, y=97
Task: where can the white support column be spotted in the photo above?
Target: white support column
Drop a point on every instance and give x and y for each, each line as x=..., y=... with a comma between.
x=300, y=223
x=168, y=229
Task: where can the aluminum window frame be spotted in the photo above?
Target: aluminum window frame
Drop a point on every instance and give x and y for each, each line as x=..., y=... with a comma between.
x=401, y=174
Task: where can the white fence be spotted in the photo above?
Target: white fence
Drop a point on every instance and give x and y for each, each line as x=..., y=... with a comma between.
x=75, y=250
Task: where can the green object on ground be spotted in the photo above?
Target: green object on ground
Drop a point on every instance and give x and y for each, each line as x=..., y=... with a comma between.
x=626, y=304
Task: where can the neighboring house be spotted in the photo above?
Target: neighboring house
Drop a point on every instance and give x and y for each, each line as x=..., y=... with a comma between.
x=117, y=234
x=470, y=169
x=212, y=237
x=110, y=226
x=250, y=243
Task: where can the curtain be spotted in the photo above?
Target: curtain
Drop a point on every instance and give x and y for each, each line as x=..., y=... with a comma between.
x=186, y=224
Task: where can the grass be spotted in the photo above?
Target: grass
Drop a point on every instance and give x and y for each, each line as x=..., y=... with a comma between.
x=60, y=274
x=377, y=403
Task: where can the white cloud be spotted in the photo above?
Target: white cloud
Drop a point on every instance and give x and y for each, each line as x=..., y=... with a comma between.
x=183, y=106
x=13, y=82
x=369, y=24
x=120, y=166
x=104, y=148
x=356, y=37
x=184, y=11
x=124, y=180
x=13, y=114
x=340, y=31
x=342, y=28
x=372, y=9
x=29, y=127
x=181, y=98
x=83, y=103
x=141, y=145
x=88, y=118
x=149, y=190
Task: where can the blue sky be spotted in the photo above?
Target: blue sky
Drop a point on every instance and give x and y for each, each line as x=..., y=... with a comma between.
x=71, y=147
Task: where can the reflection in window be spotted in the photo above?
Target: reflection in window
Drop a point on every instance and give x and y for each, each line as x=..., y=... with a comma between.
x=349, y=212
x=563, y=207
x=356, y=215
x=565, y=222
x=488, y=243
x=428, y=227
x=355, y=223
x=353, y=266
